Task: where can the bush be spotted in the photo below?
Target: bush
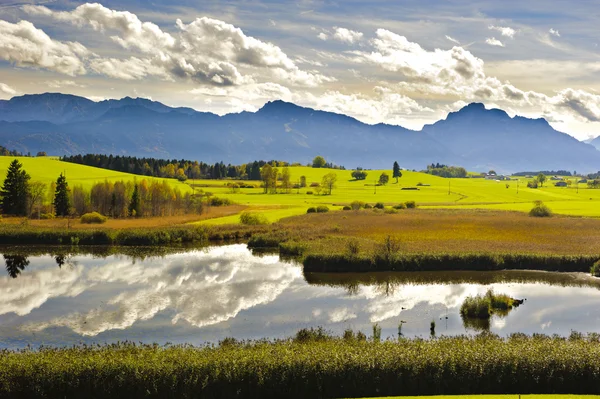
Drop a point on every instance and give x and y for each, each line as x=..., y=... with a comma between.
x=410, y=204
x=399, y=206
x=309, y=193
x=93, y=218
x=346, y=208
x=311, y=210
x=322, y=209
x=356, y=205
x=595, y=269
x=47, y=216
x=253, y=219
x=216, y=201
x=540, y=210
x=379, y=205
x=368, y=206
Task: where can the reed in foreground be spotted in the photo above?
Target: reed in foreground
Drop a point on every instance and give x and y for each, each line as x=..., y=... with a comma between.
x=311, y=365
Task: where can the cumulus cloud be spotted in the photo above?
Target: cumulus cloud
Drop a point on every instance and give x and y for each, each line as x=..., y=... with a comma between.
x=323, y=36
x=6, y=89
x=347, y=35
x=492, y=41
x=460, y=74
x=26, y=46
x=201, y=289
x=554, y=32
x=504, y=30
x=206, y=50
x=453, y=40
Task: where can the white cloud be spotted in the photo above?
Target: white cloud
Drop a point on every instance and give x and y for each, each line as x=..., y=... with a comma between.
x=492, y=41
x=554, y=32
x=26, y=46
x=347, y=35
x=6, y=89
x=199, y=288
x=504, y=30
x=323, y=36
x=57, y=84
x=206, y=50
x=453, y=40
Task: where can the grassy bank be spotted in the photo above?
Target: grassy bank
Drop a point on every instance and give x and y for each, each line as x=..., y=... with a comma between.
x=315, y=366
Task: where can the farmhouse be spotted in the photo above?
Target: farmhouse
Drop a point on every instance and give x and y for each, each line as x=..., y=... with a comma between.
x=561, y=184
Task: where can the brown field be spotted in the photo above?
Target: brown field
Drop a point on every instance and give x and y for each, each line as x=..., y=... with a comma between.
x=61, y=223
x=447, y=231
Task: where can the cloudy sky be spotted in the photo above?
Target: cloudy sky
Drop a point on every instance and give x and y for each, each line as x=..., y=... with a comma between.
x=400, y=62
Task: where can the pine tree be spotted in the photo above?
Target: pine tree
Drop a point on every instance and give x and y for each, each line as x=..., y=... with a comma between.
x=396, y=171
x=62, y=202
x=15, y=190
x=134, y=205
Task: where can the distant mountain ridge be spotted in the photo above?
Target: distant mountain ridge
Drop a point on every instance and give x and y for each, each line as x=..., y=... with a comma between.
x=473, y=137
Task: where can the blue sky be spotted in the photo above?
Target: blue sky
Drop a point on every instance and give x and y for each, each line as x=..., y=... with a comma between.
x=399, y=62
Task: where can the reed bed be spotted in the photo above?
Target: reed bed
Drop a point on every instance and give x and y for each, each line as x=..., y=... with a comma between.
x=315, y=368
x=328, y=263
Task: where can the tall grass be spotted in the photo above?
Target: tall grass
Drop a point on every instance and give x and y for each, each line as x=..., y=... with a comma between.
x=313, y=366
x=432, y=262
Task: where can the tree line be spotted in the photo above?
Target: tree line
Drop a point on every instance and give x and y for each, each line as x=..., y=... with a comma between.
x=19, y=196
x=173, y=168
x=446, y=171
x=185, y=169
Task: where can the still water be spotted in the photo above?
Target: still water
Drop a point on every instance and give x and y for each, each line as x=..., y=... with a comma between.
x=205, y=295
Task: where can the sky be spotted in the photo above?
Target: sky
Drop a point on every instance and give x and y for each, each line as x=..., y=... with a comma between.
x=402, y=62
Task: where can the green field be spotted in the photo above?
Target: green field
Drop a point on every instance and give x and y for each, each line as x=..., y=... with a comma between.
x=435, y=192
x=47, y=169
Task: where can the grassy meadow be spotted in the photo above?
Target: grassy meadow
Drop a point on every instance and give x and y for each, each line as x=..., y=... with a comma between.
x=47, y=170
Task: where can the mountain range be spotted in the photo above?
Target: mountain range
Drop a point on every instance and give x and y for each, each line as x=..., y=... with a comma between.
x=473, y=137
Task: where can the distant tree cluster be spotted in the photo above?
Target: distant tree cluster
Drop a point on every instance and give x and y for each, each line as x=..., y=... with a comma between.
x=446, y=171
x=21, y=197
x=5, y=152
x=320, y=162
x=173, y=169
x=559, y=172
x=359, y=174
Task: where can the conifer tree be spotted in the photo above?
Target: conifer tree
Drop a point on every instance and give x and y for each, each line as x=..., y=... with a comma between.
x=62, y=202
x=396, y=171
x=134, y=205
x=15, y=190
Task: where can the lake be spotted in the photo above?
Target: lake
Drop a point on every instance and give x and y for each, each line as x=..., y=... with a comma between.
x=204, y=295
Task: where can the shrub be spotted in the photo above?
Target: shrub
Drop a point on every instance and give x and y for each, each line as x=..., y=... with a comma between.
x=390, y=211
x=368, y=206
x=595, y=269
x=315, y=184
x=311, y=210
x=410, y=204
x=346, y=208
x=47, y=216
x=93, y=218
x=216, y=201
x=379, y=205
x=312, y=335
x=540, y=210
x=356, y=205
x=399, y=206
x=309, y=193
x=253, y=218
x=532, y=184
x=322, y=209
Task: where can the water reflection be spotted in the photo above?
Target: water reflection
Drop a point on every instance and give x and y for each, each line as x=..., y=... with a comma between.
x=15, y=264
x=206, y=295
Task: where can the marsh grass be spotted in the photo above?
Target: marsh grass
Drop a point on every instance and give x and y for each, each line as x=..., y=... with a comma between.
x=318, y=365
x=484, y=306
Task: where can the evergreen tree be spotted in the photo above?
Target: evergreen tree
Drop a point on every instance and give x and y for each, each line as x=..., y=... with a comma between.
x=15, y=190
x=134, y=205
x=62, y=202
x=396, y=171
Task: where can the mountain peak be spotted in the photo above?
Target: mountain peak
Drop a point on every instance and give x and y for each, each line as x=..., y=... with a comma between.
x=279, y=106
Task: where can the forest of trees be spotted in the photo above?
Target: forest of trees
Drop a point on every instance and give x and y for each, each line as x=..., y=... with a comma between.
x=177, y=169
